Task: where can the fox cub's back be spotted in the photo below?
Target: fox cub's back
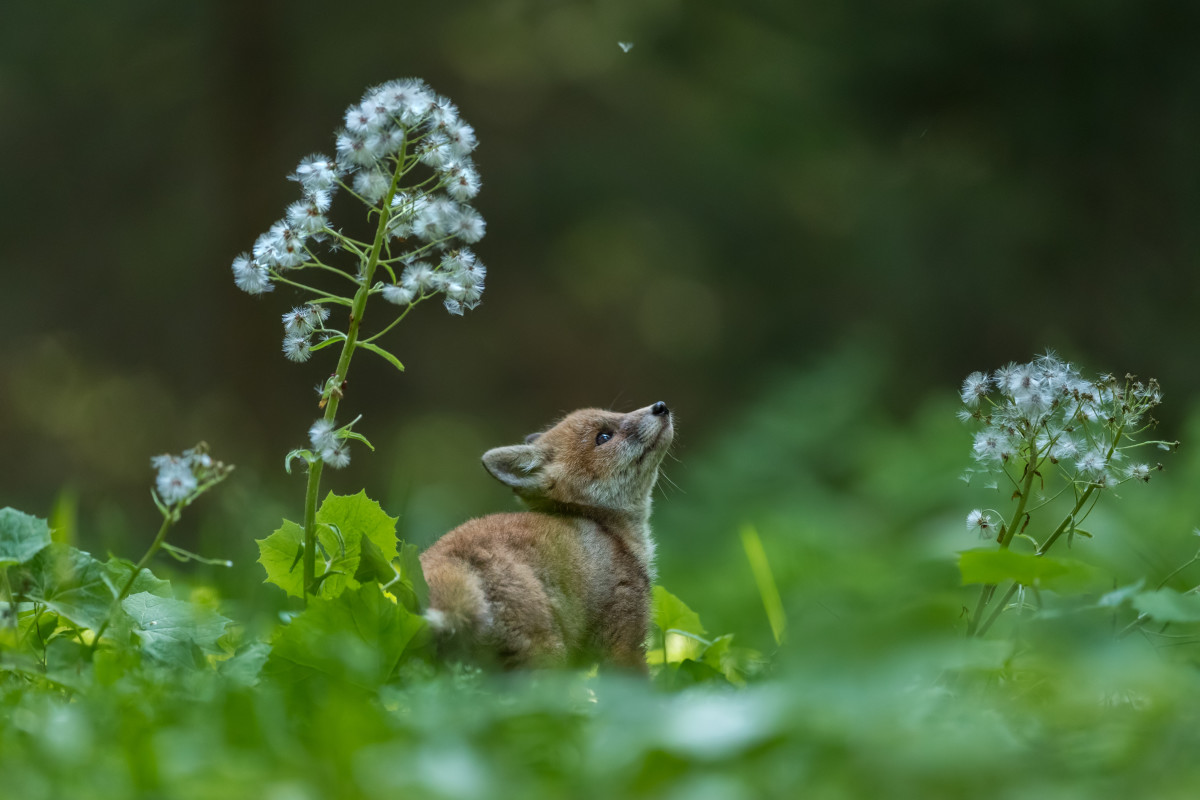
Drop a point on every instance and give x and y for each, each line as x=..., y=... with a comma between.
x=569, y=580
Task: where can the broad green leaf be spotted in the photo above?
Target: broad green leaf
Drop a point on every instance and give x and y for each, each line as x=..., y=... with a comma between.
x=1056, y=574
x=379, y=351
x=731, y=661
x=244, y=667
x=344, y=520
x=278, y=555
x=671, y=613
x=22, y=536
x=119, y=570
x=1168, y=605
x=68, y=663
x=410, y=570
x=80, y=588
x=690, y=673
x=360, y=635
x=173, y=631
x=372, y=566
x=359, y=514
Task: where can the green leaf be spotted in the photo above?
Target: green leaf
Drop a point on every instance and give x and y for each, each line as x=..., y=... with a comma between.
x=358, y=437
x=1056, y=574
x=22, y=536
x=342, y=523
x=731, y=661
x=1168, y=605
x=304, y=455
x=691, y=673
x=68, y=663
x=173, y=631
x=410, y=571
x=360, y=636
x=1118, y=596
x=354, y=517
x=359, y=514
x=332, y=340
x=763, y=576
x=119, y=570
x=79, y=587
x=671, y=613
x=279, y=554
x=244, y=667
x=379, y=351
x=372, y=566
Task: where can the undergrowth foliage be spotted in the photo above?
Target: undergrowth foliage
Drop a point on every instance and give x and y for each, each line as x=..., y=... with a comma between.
x=112, y=685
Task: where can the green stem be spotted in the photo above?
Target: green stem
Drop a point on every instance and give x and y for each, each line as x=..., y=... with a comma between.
x=357, y=309
x=987, y=591
x=1066, y=523
x=321, y=295
x=396, y=321
x=169, y=519
x=1021, y=502
x=314, y=263
x=999, y=608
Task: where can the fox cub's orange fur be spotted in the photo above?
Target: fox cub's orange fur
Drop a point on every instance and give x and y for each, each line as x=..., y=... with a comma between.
x=569, y=580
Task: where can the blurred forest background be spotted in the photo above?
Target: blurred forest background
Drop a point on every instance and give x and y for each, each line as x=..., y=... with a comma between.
x=800, y=224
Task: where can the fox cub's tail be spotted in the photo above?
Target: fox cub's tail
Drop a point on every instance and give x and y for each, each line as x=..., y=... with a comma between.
x=458, y=606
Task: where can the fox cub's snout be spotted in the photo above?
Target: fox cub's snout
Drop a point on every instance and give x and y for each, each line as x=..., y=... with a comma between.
x=569, y=580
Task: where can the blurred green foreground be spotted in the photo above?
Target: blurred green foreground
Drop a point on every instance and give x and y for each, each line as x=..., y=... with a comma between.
x=873, y=691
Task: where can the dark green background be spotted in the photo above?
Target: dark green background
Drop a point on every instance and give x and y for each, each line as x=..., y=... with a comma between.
x=794, y=222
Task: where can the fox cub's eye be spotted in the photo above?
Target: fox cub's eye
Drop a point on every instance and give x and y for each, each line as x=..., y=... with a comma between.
x=601, y=438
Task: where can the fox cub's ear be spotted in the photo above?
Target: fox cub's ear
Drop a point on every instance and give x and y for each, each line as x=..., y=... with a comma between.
x=518, y=466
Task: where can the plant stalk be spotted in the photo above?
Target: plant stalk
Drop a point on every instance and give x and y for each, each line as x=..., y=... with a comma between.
x=169, y=519
x=987, y=592
x=357, y=309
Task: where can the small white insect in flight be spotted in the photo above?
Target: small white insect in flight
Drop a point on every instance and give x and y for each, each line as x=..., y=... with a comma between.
x=625, y=46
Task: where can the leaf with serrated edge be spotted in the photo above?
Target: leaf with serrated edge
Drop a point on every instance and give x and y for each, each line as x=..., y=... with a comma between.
x=354, y=516
x=79, y=587
x=671, y=613
x=173, y=631
x=277, y=554
x=372, y=566
x=362, y=515
x=359, y=635
x=22, y=536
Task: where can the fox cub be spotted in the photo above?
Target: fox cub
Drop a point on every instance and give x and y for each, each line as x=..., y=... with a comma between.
x=567, y=582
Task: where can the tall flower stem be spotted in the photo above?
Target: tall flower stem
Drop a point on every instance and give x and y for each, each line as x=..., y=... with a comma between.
x=169, y=519
x=986, y=592
x=357, y=310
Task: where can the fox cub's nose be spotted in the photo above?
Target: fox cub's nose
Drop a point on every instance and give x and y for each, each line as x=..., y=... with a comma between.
x=660, y=408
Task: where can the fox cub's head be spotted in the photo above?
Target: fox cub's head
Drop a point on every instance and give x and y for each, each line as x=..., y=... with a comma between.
x=592, y=458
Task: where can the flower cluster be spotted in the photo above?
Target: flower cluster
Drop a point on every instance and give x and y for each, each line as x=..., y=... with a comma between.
x=399, y=130
x=299, y=325
x=183, y=477
x=1045, y=411
x=327, y=443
